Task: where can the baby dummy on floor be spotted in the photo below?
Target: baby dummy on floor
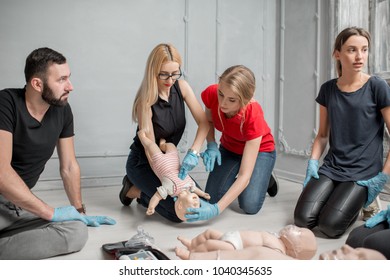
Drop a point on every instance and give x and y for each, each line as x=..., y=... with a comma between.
x=165, y=163
x=291, y=242
x=346, y=252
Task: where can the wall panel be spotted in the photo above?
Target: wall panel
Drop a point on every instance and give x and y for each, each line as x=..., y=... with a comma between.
x=107, y=44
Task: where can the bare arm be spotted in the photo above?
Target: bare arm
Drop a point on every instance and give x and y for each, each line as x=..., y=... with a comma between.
x=322, y=137
x=248, y=161
x=198, y=114
x=150, y=146
x=70, y=170
x=211, y=134
x=386, y=117
x=149, y=133
x=13, y=188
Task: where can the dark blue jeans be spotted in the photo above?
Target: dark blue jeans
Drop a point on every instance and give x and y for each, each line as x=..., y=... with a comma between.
x=142, y=176
x=222, y=177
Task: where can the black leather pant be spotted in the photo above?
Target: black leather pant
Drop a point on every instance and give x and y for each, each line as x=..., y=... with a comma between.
x=332, y=206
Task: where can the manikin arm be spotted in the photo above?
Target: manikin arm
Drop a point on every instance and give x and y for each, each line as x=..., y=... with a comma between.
x=153, y=203
x=201, y=193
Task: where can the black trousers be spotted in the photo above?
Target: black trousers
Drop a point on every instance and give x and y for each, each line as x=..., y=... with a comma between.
x=376, y=238
x=330, y=205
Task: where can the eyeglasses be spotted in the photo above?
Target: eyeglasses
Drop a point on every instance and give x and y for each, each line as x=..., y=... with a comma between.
x=166, y=76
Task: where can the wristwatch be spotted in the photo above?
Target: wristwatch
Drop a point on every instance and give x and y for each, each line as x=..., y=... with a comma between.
x=194, y=152
x=82, y=209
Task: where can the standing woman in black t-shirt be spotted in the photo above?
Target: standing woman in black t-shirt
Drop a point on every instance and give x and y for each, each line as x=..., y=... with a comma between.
x=353, y=110
x=159, y=110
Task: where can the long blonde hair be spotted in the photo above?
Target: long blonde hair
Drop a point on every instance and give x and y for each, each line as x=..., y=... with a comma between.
x=343, y=37
x=241, y=81
x=147, y=93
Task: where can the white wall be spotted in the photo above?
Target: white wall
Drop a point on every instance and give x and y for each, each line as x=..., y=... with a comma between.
x=107, y=44
x=287, y=43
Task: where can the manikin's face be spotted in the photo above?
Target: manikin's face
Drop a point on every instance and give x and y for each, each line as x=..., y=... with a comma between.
x=353, y=54
x=346, y=252
x=186, y=199
x=169, y=68
x=57, y=86
x=228, y=102
x=189, y=199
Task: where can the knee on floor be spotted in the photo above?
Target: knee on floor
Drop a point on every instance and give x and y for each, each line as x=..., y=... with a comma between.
x=75, y=234
x=251, y=209
x=303, y=220
x=331, y=228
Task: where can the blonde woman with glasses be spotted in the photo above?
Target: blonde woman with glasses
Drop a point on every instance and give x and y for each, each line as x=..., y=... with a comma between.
x=159, y=110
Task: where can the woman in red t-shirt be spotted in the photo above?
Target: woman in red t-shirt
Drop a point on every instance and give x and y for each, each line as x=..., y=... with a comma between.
x=246, y=155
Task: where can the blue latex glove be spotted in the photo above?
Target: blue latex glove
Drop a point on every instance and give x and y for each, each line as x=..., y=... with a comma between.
x=374, y=186
x=209, y=156
x=69, y=213
x=206, y=211
x=95, y=221
x=311, y=171
x=378, y=218
x=189, y=162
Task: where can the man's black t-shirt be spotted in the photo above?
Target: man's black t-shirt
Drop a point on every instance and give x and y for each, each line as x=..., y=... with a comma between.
x=33, y=141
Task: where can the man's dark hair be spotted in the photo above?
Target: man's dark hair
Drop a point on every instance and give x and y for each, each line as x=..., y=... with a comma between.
x=39, y=60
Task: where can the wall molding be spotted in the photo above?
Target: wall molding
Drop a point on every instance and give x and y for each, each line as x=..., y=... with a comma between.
x=284, y=147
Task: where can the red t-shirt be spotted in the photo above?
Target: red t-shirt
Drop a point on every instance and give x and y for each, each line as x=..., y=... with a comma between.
x=234, y=137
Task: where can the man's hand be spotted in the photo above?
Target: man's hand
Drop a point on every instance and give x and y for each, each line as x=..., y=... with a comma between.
x=69, y=213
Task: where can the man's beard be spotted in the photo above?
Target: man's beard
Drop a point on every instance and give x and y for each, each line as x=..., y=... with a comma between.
x=48, y=96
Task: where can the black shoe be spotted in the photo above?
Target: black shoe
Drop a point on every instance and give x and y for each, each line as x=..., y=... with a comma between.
x=273, y=186
x=126, y=185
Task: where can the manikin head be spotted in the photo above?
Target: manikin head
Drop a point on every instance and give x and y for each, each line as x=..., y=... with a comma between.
x=300, y=242
x=346, y=252
x=185, y=199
